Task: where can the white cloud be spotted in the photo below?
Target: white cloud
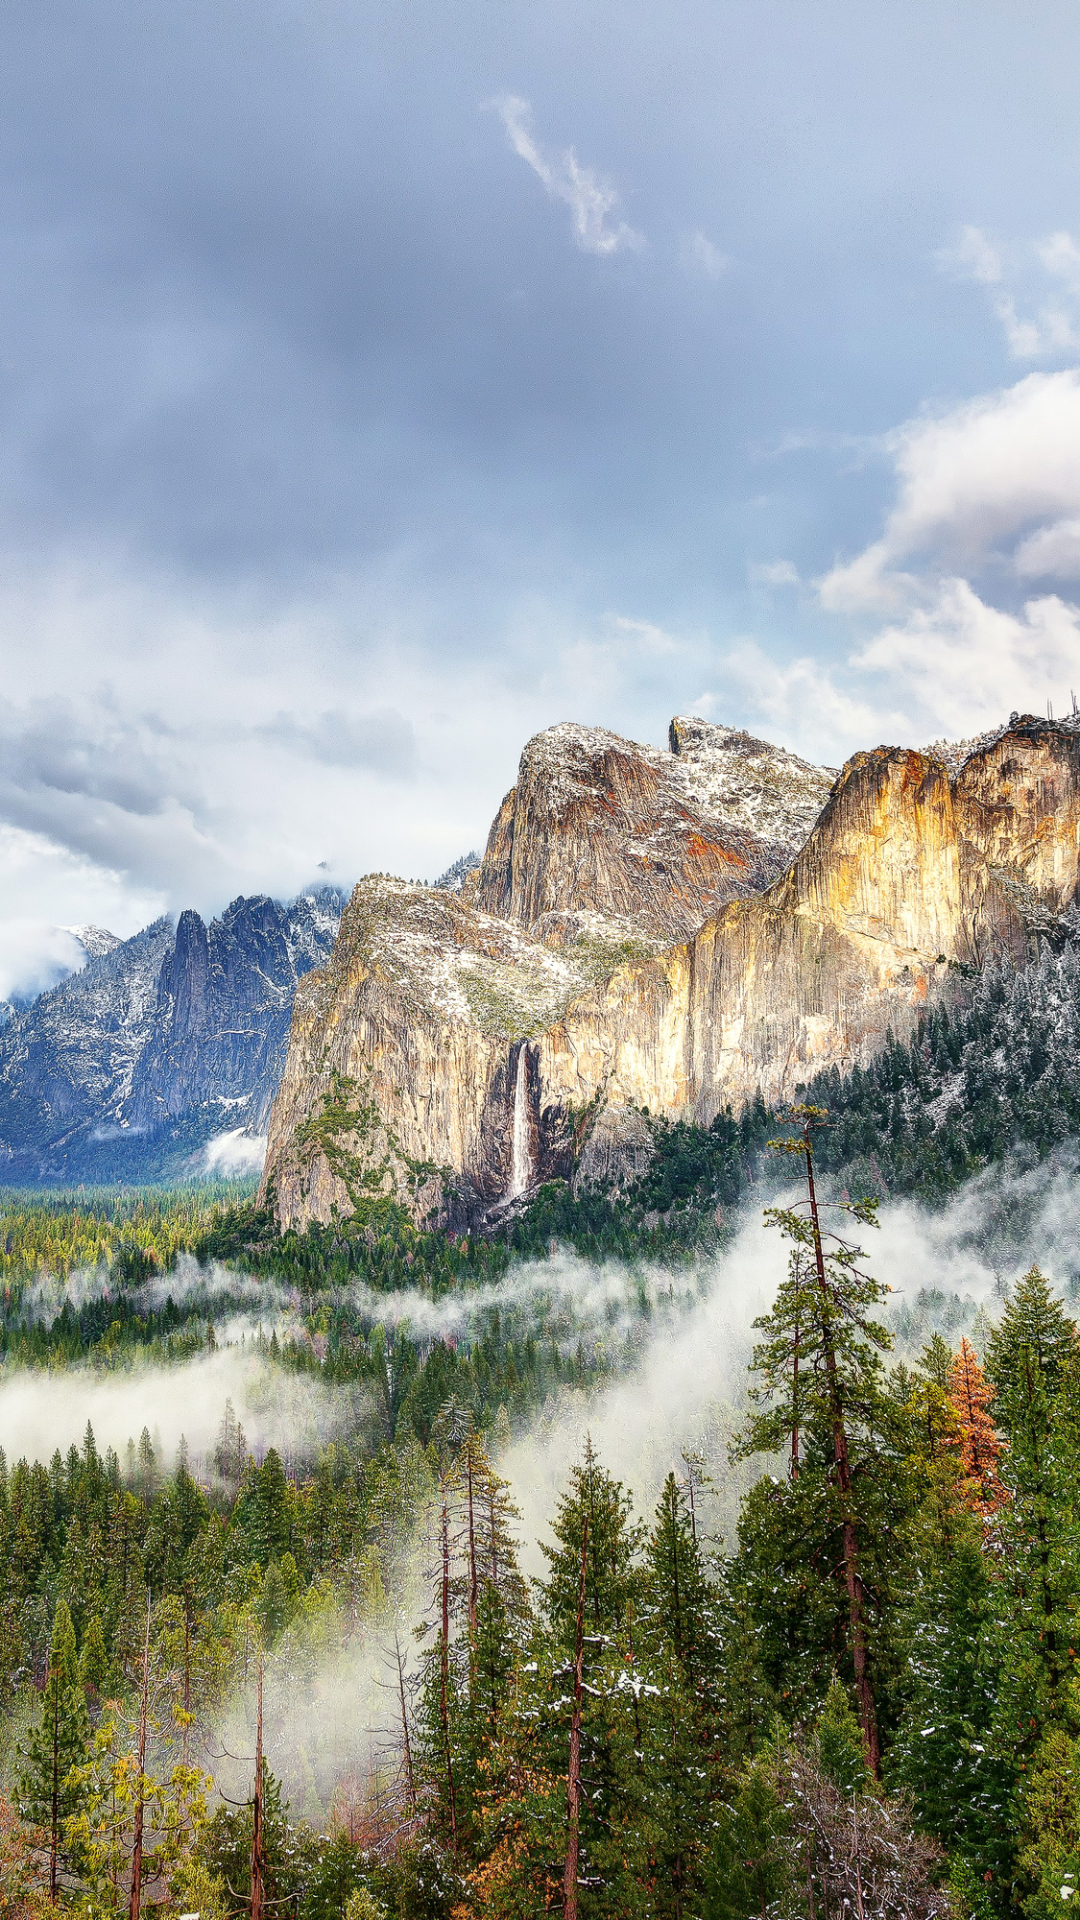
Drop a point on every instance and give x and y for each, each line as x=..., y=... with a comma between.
x=961, y=664
x=991, y=488
x=1060, y=255
x=700, y=252
x=1046, y=326
x=974, y=257
x=647, y=638
x=591, y=201
x=986, y=473
x=47, y=888
x=234, y=1152
x=1052, y=553
x=773, y=573
x=799, y=702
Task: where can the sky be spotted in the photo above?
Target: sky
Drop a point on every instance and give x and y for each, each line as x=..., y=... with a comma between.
x=380, y=384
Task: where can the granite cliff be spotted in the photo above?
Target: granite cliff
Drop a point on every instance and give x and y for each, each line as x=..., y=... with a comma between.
x=158, y=1043
x=601, y=830
x=457, y=1049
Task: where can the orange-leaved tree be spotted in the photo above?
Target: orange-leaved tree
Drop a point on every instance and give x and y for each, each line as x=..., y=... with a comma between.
x=970, y=1394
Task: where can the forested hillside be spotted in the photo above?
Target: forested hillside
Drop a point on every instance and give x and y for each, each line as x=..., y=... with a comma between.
x=865, y=1694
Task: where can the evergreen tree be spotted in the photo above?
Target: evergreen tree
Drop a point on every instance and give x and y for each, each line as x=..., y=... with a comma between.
x=1034, y=1333
x=948, y=1683
x=822, y=1397
x=575, y=1828
x=49, y=1792
x=681, y=1640
x=1040, y=1552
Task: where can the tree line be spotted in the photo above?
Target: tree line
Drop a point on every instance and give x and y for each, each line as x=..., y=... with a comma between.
x=866, y=1703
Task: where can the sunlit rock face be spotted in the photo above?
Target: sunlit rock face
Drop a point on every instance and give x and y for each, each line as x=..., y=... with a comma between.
x=602, y=829
x=554, y=1004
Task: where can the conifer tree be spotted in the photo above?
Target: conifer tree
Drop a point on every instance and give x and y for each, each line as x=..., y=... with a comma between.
x=578, y=1724
x=942, y=1754
x=821, y=1394
x=681, y=1640
x=1034, y=1324
x=970, y=1395
x=1039, y=1545
x=49, y=1793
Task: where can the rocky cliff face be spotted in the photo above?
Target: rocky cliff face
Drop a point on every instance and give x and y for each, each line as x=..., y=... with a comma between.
x=475, y=1048
x=221, y=1024
x=158, y=1042
x=599, y=829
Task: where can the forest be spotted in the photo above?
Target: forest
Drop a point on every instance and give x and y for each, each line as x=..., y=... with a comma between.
x=330, y=1669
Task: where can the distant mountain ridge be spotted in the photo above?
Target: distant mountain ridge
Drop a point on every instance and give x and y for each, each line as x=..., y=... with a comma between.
x=127, y=1067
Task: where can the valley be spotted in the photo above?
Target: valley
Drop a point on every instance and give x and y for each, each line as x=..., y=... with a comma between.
x=628, y=1428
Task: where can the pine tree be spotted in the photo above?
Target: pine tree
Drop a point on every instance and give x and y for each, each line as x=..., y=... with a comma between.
x=681, y=1640
x=970, y=1395
x=1040, y=1550
x=823, y=1398
x=581, y=1830
x=49, y=1794
x=1034, y=1324
x=947, y=1685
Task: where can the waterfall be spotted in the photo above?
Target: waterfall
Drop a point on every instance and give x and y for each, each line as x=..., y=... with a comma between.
x=521, y=1150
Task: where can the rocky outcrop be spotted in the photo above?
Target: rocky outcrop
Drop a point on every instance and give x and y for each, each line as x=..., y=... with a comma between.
x=159, y=1042
x=910, y=879
x=602, y=830
x=221, y=1024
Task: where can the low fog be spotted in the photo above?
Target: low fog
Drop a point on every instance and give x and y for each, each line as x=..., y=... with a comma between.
x=683, y=1333
x=680, y=1336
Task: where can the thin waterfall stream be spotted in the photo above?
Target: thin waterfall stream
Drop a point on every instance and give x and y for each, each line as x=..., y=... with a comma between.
x=521, y=1142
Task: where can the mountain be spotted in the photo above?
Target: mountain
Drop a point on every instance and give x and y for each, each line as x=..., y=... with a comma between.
x=158, y=1043
x=677, y=933
x=71, y=948
x=94, y=940
x=600, y=829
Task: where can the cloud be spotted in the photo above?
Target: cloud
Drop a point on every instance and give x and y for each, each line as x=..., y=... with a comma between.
x=590, y=200
x=802, y=702
x=234, y=1152
x=40, y=1412
x=699, y=252
x=384, y=740
x=1033, y=334
x=1060, y=255
x=974, y=257
x=773, y=573
x=1051, y=553
x=985, y=473
x=988, y=493
x=46, y=888
x=966, y=664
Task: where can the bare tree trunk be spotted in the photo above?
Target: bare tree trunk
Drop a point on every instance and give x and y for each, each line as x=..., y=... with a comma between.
x=257, y=1890
x=137, y=1844
x=187, y=1669
x=54, y=1805
x=474, y=1588
x=858, y=1859
x=494, y=1535
x=852, y=1575
x=795, y=1395
x=410, y=1779
x=688, y=1462
x=444, y=1672
x=573, y=1773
